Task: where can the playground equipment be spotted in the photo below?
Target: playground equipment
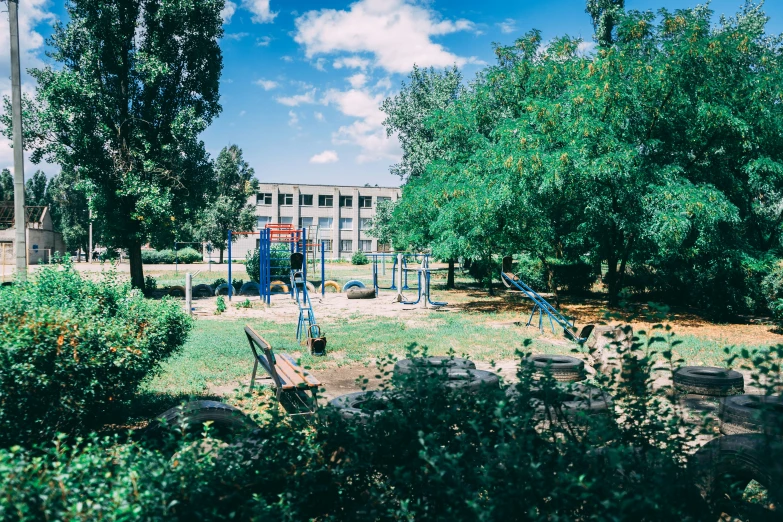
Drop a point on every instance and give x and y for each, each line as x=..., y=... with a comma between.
x=542, y=306
x=295, y=265
x=380, y=258
x=423, y=289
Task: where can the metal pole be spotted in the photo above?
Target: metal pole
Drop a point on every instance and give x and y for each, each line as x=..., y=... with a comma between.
x=89, y=246
x=323, y=269
x=399, y=288
x=16, y=118
x=189, y=293
x=230, y=285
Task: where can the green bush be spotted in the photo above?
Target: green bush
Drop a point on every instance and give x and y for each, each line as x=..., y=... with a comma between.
x=574, y=278
x=436, y=454
x=358, y=258
x=72, y=347
x=280, y=263
x=185, y=256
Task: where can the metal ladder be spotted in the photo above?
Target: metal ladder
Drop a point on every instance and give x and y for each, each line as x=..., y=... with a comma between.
x=302, y=297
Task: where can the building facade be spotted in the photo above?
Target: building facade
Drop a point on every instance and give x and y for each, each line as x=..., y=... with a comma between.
x=338, y=215
x=43, y=241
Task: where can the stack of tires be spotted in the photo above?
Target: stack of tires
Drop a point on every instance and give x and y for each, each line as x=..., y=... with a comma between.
x=700, y=389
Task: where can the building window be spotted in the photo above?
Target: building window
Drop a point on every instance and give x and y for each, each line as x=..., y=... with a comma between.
x=305, y=200
x=286, y=220
x=346, y=223
x=365, y=245
x=346, y=245
x=346, y=201
x=285, y=199
x=365, y=223
x=383, y=247
x=325, y=223
x=305, y=222
x=325, y=201
x=365, y=201
x=263, y=198
x=263, y=221
x=327, y=245
x=383, y=198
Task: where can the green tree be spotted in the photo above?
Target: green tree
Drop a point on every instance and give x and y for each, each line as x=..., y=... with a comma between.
x=70, y=212
x=6, y=186
x=381, y=226
x=135, y=84
x=605, y=14
x=229, y=210
x=35, y=190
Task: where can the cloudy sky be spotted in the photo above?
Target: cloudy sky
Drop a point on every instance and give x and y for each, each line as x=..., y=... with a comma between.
x=303, y=80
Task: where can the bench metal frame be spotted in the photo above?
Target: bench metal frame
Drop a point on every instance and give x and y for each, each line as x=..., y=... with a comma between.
x=284, y=387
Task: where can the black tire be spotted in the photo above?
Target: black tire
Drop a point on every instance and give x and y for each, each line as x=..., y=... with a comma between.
x=190, y=417
x=360, y=407
x=177, y=291
x=408, y=366
x=361, y=293
x=725, y=466
x=575, y=398
x=470, y=380
x=563, y=367
x=751, y=414
x=250, y=288
x=222, y=289
x=202, y=291
x=8, y=283
x=708, y=380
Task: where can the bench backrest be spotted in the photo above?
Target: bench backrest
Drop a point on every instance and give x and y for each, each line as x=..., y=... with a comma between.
x=257, y=342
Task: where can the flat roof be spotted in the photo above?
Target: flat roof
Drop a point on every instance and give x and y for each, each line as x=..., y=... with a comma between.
x=333, y=186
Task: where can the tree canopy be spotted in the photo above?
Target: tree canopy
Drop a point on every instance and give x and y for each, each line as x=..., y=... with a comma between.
x=657, y=154
x=135, y=84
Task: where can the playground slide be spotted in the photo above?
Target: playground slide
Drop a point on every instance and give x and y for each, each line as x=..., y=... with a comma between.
x=542, y=306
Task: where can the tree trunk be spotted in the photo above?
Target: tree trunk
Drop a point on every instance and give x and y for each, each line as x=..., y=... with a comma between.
x=611, y=279
x=221, y=256
x=136, y=267
x=551, y=284
x=450, y=278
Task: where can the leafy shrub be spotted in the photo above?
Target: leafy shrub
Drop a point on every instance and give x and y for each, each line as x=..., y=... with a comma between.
x=280, y=263
x=574, y=278
x=436, y=454
x=358, y=258
x=185, y=256
x=531, y=271
x=72, y=347
x=221, y=304
x=217, y=282
x=237, y=284
x=150, y=284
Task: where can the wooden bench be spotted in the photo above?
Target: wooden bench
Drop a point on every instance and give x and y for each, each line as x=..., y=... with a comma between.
x=292, y=382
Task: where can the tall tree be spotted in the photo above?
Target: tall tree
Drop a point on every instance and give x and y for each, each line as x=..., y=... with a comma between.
x=70, y=212
x=605, y=14
x=229, y=209
x=6, y=186
x=35, y=190
x=135, y=84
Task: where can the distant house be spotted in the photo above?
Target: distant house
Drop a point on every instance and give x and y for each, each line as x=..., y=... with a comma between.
x=42, y=239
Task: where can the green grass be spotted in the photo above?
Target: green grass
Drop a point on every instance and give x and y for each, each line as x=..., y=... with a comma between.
x=217, y=352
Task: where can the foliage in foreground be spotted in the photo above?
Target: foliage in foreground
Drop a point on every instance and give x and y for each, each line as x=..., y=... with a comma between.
x=434, y=454
x=73, y=348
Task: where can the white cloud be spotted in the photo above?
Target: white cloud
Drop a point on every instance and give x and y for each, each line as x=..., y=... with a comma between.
x=357, y=81
x=585, y=48
x=298, y=99
x=293, y=119
x=287, y=58
x=235, y=36
x=351, y=62
x=260, y=10
x=398, y=33
x=320, y=64
x=319, y=116
x=327, y=156
x=367, y=132
x=507, y=26
x=384, y=83
x=228, y=11
x=264, y=41
x=242, y=113
x=267, y=85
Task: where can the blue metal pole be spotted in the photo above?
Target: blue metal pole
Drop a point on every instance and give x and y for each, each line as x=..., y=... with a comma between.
x=323, y=268
x=230, y=284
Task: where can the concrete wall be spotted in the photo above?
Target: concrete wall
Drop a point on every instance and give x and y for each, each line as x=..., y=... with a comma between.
x=42, y=241
x=343, y=241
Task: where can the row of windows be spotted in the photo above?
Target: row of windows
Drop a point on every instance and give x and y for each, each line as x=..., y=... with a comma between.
x=306, y=200
x=324, y=223
x=346, y=245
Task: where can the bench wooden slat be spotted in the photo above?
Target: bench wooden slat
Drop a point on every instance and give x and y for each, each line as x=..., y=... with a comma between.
x=284, y=380
x=284, y=368
x=312, y=381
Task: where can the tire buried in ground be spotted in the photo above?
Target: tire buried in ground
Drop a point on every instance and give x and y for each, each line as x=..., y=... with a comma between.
x=470, y=380
x=353, y=283
x=278, y=287
x=221, y=289
x=176, y=291
x=227, y=422
x=250, y=288
x=202, y=291
x=332, y=284
x=361, y=293
x=362, y=407
x=751, y=414
x=431, y=364
x=563, y=367
x=708, y=380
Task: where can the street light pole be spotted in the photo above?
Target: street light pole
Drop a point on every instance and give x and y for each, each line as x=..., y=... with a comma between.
x=20, y=217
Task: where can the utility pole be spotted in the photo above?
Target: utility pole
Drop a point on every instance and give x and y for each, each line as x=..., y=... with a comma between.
x=89, y=255
x=20, y=216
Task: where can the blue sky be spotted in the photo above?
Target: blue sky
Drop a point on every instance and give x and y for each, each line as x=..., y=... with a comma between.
x=303, y=79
